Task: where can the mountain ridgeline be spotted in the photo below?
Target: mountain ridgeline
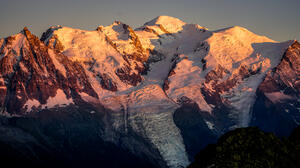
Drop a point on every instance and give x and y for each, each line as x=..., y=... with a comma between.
x=250, y=147
x=153, y=96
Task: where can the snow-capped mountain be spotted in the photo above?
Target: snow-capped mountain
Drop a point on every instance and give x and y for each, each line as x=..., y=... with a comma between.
x=162, y=91
x=35, y=77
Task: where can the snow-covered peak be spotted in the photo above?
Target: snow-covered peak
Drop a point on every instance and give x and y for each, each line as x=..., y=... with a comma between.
x=117, y=31
x=12, y=43
x=168, y=23
x=164, y=20
x=231, y=45
x=11, y=46
x=56, y=27
x=80, y=44
x=125, y=40
x=107, y=54
x=144, y=74
x=242, y=31
x=236, y=50
x=117, y=22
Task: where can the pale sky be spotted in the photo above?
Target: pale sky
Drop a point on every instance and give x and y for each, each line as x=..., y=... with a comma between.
x=277, y=19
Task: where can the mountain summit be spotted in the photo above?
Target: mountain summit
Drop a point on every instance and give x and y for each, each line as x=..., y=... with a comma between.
x=160, y=92
x=171, y=24
x=165, y=20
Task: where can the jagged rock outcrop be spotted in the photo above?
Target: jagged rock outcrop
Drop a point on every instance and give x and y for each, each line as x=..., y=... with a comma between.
x=277, y=105
x=34, y=75
x=118, y=42
x=161, y=87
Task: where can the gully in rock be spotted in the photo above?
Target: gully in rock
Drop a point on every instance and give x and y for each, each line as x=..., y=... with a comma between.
x=153, y=96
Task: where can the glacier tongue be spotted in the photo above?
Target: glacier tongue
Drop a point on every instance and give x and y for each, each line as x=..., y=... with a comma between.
x=149, y=112
x=163, y=133
x=182, y=60
x=145, y=74
x=241, y=58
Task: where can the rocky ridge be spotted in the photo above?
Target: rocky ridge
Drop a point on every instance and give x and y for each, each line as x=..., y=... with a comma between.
x=161, y=83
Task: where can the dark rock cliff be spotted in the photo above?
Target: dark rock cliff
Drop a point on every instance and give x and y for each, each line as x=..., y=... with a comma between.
x=277, y=105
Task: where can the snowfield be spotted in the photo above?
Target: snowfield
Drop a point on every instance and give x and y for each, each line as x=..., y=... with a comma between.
x=147, y=73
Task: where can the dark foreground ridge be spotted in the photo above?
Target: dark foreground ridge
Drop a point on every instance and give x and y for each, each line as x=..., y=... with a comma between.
x=150, y=97
x=251, y=147
x=68, y=137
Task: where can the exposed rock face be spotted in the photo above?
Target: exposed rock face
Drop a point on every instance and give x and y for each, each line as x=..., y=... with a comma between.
x=277, y=105
x=33, y=74
x=163, y=90
x=135, y=57
x=52, y=39
x=118, y=42
x=107, y=83
x=125, y=75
